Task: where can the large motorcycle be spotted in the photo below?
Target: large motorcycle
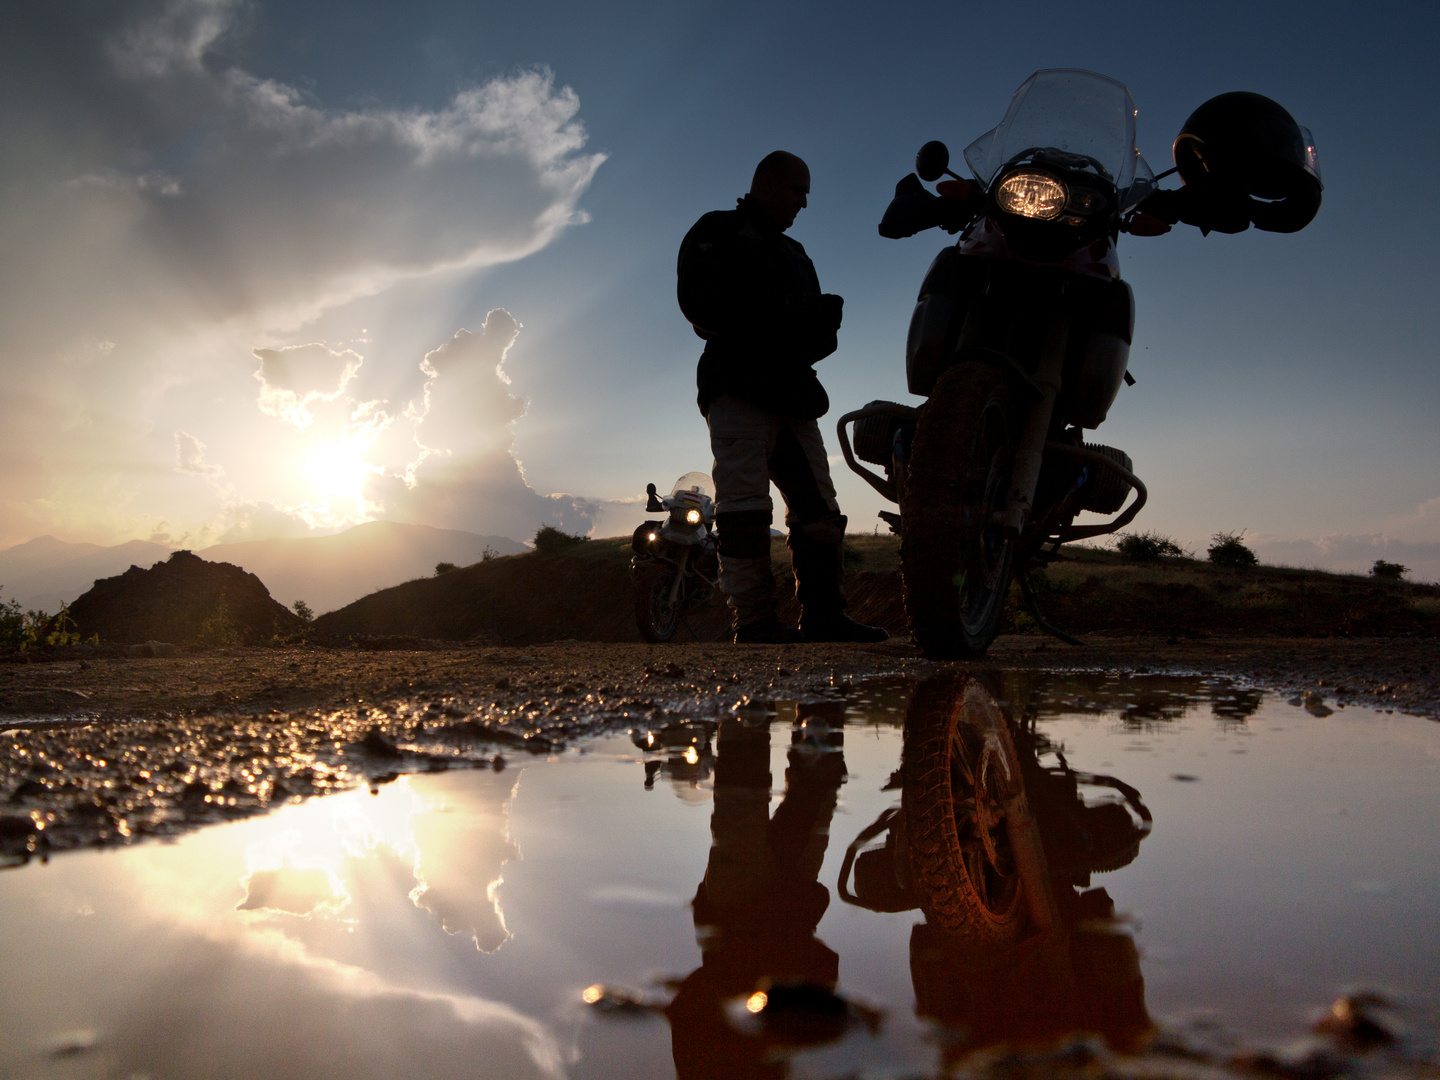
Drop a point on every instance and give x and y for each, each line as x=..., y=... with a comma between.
x=675, y=564
x=1021, y=336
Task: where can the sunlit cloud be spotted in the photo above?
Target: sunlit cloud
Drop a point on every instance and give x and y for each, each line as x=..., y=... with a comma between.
x=293, y=378
x=169, y=213
x=464, y=474
x=190, y=456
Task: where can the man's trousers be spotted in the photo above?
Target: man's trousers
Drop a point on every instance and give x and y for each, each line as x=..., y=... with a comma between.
x=752, y=448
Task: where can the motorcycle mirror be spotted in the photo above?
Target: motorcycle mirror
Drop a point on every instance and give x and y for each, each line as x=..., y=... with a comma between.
x=933, y=161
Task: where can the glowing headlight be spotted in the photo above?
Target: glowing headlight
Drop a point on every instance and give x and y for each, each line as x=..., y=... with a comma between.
x=651, y=537
x=1031, y=195
x=693, y=517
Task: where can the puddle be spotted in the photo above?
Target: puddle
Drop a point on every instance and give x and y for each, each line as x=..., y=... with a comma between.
x=1156, y=858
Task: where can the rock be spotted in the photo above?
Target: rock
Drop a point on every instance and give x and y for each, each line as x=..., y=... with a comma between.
x=185, y=600
x=378, y=744
x=151, y=648
x=27, y=789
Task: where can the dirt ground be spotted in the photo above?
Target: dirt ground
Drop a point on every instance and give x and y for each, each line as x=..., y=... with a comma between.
x=105, y=749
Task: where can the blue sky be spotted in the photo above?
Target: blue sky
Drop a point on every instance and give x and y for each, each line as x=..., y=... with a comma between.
x=1287, y=385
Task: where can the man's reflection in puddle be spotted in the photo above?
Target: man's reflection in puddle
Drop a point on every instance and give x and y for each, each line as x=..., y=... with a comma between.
x=761, y=899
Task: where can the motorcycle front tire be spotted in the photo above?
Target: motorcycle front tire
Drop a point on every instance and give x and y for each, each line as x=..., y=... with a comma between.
x=655, y=617
x=976, y=860
x=955, y=563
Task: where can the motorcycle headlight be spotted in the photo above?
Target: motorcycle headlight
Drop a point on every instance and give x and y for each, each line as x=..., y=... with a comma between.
x=692, y=517
x=1032, y=195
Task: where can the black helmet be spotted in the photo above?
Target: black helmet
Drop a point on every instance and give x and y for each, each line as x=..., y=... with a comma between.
x=1242, y=150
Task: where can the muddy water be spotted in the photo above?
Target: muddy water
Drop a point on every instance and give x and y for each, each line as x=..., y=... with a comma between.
x=1218, y=865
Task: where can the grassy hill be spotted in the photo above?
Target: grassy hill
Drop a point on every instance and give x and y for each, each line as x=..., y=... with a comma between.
x=585, y=593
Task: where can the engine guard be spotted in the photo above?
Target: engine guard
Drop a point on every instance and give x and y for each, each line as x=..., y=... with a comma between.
x=884, y=485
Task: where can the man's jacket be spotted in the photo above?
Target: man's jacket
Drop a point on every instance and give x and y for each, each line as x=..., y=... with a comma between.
x=751, y=292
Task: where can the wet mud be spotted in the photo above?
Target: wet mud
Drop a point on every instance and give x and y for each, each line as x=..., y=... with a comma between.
x=98, y=749
x=892, y=869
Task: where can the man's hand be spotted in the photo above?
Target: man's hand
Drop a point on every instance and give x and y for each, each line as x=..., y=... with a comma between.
x=815, y=322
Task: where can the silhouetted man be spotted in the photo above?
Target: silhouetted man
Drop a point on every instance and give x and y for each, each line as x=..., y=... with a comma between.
x=751, y=292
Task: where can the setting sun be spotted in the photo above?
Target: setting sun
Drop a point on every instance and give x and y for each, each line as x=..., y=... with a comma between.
x=338, y=471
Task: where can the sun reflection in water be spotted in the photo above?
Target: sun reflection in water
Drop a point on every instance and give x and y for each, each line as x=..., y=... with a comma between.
x=452, y=837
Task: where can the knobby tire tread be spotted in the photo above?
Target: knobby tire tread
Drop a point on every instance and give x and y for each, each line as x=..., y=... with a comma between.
x=647, y=580
x=947, y=896
x=932, y=507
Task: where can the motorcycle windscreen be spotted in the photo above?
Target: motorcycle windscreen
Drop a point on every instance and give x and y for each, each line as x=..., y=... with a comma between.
x=697, y=482
x=1079, y=112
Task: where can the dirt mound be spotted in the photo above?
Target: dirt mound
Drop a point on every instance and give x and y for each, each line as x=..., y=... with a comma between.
x=584, y=593
x=184, y=600
x=514, y=600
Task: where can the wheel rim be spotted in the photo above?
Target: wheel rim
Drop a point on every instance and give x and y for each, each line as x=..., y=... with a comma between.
x=981, y=787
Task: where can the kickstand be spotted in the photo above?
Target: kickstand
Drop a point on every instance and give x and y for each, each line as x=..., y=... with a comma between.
x=1034, y=608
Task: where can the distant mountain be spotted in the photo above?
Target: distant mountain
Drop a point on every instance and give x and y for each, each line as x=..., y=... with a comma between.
x=45, y=573
x=328, y=572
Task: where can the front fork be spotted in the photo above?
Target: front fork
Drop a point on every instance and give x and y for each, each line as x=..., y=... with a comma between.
x=678, y=585
x=1034, y=432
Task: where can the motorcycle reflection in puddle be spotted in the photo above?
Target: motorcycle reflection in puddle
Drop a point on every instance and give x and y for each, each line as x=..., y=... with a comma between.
x=995, y=840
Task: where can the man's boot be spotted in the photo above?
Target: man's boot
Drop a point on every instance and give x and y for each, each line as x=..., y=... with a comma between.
x=747, y=580
x=815, y=553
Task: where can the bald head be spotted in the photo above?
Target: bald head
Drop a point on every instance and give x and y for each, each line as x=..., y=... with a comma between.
x=780, y=187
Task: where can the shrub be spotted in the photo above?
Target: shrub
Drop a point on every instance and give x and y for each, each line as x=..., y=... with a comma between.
x=1388, y=571
x=442, y=568
x=551, y=541
x=1229, y=550
x=301, y=608
x=1148, y=546
x=22, y=629
x=488, y=554
x=12, y=623
x=219, y=628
